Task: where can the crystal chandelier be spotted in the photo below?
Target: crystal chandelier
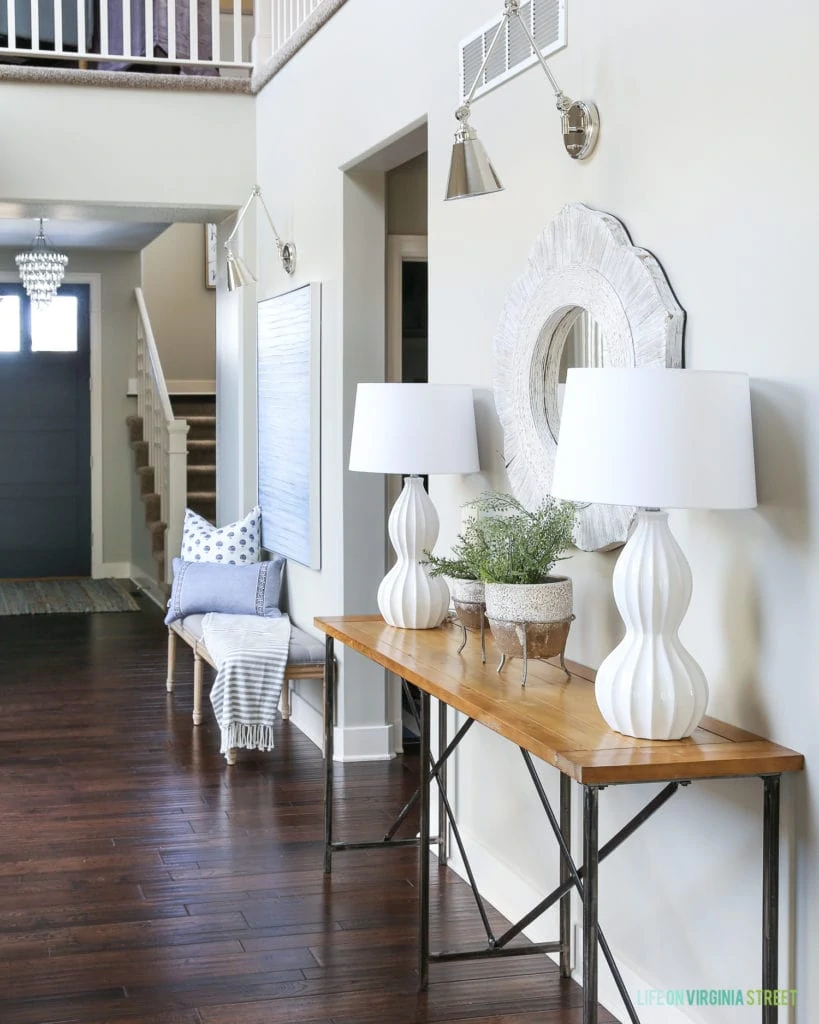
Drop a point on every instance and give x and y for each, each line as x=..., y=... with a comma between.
x=41, y=270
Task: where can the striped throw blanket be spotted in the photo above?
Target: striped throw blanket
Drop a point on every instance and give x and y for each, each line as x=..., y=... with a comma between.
x=250, y=653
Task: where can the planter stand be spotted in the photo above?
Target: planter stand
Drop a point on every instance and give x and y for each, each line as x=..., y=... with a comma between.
x=472, y=609
x=520, y=628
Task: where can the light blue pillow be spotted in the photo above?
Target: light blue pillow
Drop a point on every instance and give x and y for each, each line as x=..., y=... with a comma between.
x=202, y=587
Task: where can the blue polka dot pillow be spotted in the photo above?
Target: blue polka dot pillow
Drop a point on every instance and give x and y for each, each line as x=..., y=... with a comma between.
x=234, y=544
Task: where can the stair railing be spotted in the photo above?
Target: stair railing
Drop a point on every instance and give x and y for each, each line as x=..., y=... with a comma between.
x=167, y=436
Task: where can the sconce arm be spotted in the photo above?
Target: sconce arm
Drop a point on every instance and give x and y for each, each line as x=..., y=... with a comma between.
x=511, y=10
x=563, y=101
x=286, y=250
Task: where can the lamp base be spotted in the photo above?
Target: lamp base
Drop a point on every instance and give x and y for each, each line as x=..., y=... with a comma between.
x=408, y=596
x=650, y=686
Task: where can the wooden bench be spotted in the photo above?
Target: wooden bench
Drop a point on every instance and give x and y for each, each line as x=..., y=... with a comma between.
x=305, y=661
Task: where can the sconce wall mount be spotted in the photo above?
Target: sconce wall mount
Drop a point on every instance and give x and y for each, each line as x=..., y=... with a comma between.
x=238, y=273
x=471, y=172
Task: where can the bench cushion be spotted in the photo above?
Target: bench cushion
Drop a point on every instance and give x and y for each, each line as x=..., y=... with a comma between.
x=304, y=648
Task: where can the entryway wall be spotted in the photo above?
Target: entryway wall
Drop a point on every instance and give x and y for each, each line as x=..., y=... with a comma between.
x=181, y=307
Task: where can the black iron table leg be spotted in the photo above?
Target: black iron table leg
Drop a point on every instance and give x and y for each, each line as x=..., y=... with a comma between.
x=423, y=849
x=443, y=834
x=770, y=893
x=590, y=894
x=565, y=901
x=329, y=704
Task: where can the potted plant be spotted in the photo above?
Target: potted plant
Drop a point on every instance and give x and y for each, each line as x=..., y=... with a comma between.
x=462, y=569
x=529, y=609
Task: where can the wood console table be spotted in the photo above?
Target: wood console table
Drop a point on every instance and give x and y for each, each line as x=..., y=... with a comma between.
x=558, y=721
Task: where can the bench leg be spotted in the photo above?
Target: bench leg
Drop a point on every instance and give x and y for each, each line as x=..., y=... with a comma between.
x=197, y=688
x=230, y=756
x=286, y=700
x=171, y=660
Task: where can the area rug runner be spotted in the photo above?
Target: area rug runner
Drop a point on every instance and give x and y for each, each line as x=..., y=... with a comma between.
x=50, y=597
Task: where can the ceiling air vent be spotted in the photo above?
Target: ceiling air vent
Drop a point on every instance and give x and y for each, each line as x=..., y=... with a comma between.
x=513, y=53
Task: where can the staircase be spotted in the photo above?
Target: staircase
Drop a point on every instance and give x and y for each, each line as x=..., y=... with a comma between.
x=200, y=412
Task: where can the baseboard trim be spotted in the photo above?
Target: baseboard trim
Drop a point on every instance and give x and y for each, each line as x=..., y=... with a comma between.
x=304, y=716
x=363, y=743
x=114, y=571
x=149, y=587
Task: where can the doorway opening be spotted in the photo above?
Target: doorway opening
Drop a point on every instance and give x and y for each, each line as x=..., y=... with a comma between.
x=407, y=357
x=45, y=434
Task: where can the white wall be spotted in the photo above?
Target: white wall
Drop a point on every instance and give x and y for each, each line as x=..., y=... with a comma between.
x=697, y=158
x=181, y=308
x=75, y=144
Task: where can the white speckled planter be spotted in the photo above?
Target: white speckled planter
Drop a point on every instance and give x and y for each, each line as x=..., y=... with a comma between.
x=468, y=598
x=530, y=602
x=547, y=606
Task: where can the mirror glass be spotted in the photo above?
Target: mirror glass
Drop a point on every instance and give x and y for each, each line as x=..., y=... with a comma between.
x=578, y=341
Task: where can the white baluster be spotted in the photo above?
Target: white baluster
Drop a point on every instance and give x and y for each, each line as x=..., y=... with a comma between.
x=149, y=28
x=11, y=14
x=81, y=40
x=126, y=28
x=35, y=25
x=216, y=31
x=104, y=40
x=237, y=30
x=58, y=26
x=193, y=22
x=171, y=30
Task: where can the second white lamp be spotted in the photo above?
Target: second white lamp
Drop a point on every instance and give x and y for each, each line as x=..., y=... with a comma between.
x=414, y=429
x=657, y=439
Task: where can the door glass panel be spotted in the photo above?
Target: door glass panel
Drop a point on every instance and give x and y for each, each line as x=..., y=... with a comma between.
x=9, y=323
x=54, y=327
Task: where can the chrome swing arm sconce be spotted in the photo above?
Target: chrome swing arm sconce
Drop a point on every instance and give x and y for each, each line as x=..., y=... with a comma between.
x=238, y=273
x=471, y=173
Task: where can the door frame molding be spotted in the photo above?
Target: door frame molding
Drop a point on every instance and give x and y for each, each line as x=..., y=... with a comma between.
x=400, y=249
x=94, y=281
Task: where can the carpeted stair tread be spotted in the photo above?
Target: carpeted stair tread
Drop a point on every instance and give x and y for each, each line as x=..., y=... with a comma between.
x=134, y=425
x=140, y=450
x=146, y=479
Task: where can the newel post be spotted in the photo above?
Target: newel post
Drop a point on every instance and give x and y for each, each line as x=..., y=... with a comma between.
x=177, y=495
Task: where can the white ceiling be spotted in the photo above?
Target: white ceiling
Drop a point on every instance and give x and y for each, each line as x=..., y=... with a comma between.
x=80, y=234
x=98, y=226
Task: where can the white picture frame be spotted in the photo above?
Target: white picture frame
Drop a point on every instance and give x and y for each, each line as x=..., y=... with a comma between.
x=211, y=254
x=289, y=423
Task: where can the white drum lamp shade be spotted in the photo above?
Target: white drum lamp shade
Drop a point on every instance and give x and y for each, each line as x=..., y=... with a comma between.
x=414, y=429
x=658, y=439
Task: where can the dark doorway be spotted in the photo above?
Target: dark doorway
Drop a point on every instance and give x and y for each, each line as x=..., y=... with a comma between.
x=45, y=434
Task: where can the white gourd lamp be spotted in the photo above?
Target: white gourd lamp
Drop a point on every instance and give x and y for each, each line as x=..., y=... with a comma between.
x=413, y=429
x=658, y=439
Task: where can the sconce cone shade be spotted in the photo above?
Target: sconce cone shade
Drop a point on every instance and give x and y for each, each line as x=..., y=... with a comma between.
x=470, y=170
x=238, y=274
x=413, y=429
x=655, y=438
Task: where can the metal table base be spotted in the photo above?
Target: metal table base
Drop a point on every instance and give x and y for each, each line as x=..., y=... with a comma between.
x=583, y=878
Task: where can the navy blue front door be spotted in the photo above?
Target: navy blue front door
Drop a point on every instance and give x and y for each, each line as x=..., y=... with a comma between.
x=45, y=435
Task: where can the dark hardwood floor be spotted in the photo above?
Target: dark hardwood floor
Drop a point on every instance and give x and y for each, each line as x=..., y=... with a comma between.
x=141, y=880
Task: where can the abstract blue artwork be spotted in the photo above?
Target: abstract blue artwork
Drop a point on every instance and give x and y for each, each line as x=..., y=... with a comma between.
x=289, y=411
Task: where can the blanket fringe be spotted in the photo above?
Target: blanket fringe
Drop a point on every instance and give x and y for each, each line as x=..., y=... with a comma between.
x=247, y=737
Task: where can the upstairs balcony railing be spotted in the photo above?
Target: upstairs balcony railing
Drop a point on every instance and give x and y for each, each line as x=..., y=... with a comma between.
x=204, y=37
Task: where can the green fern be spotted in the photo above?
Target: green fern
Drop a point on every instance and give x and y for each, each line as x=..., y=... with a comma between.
x=507, y=543
x=519, y=545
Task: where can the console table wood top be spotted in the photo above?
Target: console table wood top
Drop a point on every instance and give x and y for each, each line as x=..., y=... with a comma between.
x=554, y=718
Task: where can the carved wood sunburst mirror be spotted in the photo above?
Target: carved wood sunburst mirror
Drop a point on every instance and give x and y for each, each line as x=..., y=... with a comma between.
x=588, y=297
